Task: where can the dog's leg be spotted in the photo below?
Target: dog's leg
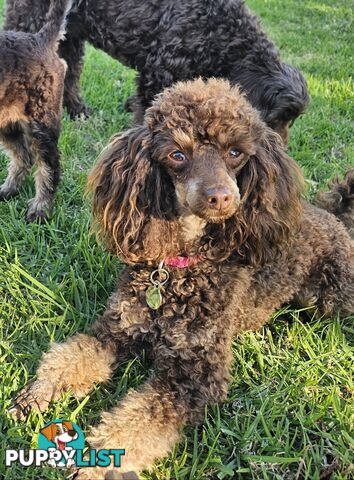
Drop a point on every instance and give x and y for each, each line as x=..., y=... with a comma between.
x=71, y=366
x=147, y=87
x=16, y=143
x=151, y=81
x=72, y=50
x=134, y=104
x=45, y=142
x=147, y=423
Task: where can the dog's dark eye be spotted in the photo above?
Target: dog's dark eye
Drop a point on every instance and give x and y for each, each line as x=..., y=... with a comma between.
x=178, y=156
x=234, y=153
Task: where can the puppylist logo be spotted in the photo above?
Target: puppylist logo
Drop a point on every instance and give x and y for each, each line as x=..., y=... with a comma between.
x=61, y=445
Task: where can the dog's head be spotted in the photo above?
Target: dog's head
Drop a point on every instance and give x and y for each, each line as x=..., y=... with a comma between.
x=63, y=432
x=278, y=91
x=205, y=151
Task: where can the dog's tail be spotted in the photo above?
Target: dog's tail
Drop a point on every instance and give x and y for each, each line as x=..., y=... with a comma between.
x=54, y=28
x=340, y=200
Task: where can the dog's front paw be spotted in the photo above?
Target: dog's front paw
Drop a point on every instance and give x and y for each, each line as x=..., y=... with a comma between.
x=36, y=395
x=36, y=216
x=70, y=463
x=104, y=474
x=37, y=210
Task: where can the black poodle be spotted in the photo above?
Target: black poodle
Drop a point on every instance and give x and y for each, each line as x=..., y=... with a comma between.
x=166, y=41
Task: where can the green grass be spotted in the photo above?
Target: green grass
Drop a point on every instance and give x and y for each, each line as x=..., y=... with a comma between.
x=290, y=405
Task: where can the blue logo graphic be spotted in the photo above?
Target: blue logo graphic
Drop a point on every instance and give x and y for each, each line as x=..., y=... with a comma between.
x=62, y=439
x=61, y=444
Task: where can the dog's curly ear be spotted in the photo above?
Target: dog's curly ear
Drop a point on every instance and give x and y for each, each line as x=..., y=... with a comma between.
x=280, y=94
x=271, y=186
x=133, y=198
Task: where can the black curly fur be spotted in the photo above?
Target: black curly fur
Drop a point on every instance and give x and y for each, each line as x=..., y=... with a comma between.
x=166, y=41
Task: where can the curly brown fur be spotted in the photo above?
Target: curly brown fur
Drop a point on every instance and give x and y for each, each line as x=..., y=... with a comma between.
x=202, y=176
x=31, y=92
x=267, y=178
x=340, y=200
x=167, y=41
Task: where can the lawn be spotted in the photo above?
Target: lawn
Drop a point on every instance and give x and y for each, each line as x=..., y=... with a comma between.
x=290, y=406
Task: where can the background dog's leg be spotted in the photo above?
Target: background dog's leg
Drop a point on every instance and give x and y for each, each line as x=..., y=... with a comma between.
x=71, y=366
x=16, y=143
x=72, y=50
x=147, y=423
x=151, y=81
x=133, y=104
x=45, y=142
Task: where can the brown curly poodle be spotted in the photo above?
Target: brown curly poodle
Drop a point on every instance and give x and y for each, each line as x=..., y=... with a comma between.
x=31, y=95
x=204, y=205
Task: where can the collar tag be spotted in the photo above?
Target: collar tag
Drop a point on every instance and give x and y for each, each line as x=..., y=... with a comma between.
x=153, y=294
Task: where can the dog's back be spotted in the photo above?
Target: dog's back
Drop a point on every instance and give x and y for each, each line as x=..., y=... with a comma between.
x=27, y=59
x=169, y=40
x=54, y=28
x=31, y=79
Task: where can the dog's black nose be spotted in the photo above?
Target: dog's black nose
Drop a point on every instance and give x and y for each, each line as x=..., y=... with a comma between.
x=219, y=198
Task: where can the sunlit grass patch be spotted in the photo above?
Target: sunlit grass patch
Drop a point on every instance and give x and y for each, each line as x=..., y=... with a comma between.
x=289, y=411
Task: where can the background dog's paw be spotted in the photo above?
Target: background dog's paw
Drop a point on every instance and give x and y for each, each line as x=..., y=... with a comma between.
x=38, y=216
x=78, y=110
x=6, y=194
x=36, y=395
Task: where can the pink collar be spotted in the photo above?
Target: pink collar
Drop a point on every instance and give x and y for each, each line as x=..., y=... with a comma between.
x=182, y=262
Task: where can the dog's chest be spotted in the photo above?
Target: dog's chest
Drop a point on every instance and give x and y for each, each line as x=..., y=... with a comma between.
x=191, y=227
x=193, y=303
